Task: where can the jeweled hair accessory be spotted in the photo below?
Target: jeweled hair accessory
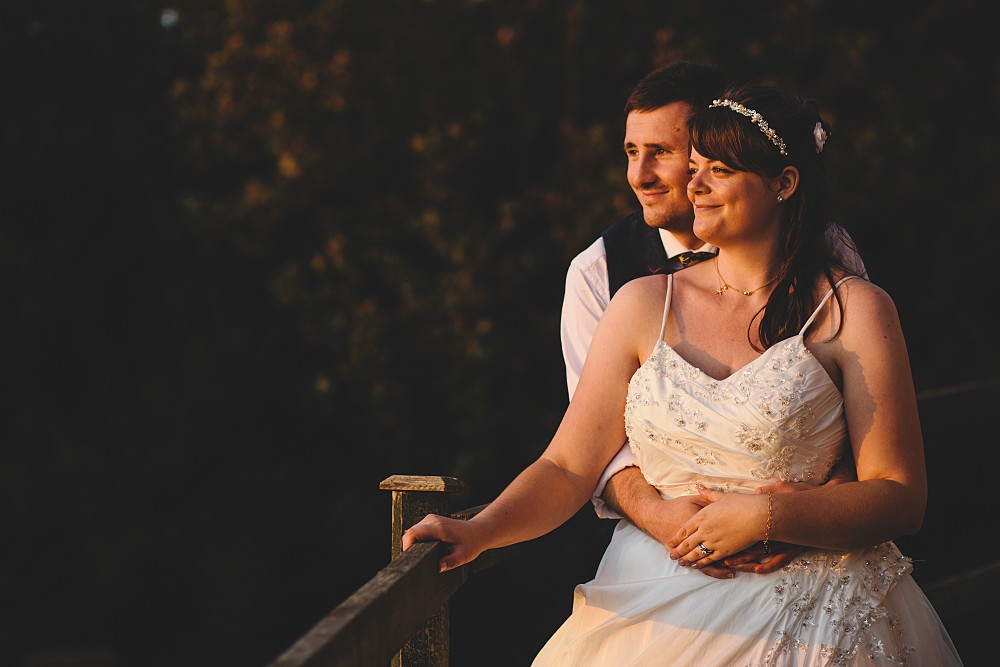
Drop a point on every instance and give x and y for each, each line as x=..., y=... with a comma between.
x=820, y=135
x=756, y=118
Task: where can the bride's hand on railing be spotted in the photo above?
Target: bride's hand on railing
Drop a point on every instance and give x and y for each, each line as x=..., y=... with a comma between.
x=460, y=537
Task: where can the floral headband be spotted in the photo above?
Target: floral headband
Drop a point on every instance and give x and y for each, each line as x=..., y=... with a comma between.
x=820, y=134
x=756, y=118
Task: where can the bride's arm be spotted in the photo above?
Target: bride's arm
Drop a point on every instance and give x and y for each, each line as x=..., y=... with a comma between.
x=890, y=494
x=553, y=488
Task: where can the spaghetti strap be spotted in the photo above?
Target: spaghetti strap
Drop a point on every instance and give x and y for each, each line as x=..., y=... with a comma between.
x=666, y=304
x=823, y=303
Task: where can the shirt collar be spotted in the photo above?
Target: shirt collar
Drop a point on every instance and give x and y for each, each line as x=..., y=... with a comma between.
x=674, y=247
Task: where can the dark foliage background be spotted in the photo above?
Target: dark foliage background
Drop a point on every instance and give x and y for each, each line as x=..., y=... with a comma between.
x=258, y=255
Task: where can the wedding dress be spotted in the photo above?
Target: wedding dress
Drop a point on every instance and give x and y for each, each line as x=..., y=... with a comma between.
x=778, y=418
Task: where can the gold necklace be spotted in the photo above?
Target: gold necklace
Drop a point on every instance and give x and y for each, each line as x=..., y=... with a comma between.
x=726, y=285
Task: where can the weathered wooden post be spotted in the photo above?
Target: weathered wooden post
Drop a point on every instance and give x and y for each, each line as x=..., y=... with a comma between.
x=413, y=497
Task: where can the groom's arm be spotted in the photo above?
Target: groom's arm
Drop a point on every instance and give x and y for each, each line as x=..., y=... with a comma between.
x=628, y=494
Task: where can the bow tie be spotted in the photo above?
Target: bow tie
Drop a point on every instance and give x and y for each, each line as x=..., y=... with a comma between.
x=685, y=259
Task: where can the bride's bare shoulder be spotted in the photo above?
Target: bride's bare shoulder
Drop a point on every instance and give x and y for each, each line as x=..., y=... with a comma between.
x=646, y=287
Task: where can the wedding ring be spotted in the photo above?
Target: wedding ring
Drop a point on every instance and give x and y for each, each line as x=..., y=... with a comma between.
x=705, y=550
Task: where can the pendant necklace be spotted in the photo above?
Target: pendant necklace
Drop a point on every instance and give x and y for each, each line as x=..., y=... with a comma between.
x=726, y=285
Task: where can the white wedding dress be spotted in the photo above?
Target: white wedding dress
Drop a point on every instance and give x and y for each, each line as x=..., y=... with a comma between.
x=778, y=418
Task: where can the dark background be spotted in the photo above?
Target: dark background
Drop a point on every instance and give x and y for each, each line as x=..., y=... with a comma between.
x=257, y=256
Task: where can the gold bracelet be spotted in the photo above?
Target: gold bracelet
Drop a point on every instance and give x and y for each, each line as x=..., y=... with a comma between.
x=767, y=528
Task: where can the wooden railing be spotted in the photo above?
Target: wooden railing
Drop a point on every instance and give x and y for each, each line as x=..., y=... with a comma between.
x=400, y=617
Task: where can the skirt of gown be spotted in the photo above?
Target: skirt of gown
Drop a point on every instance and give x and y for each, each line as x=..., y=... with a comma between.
x=825, y=608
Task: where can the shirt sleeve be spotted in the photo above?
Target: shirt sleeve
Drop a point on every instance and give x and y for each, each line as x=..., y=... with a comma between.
x=585, y=300
x=623, y=459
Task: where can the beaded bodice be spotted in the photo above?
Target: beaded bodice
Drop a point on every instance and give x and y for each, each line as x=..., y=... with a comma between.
x=780, y=417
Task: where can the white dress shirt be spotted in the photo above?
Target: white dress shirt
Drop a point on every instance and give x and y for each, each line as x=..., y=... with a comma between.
x=586, y=298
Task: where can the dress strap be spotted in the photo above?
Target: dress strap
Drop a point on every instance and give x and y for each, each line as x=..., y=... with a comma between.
x=823, y=303
x=666, y=305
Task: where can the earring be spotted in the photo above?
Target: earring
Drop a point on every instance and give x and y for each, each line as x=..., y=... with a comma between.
x=780, y=199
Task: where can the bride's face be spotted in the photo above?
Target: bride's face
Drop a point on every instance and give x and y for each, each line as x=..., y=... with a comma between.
x=730, y=204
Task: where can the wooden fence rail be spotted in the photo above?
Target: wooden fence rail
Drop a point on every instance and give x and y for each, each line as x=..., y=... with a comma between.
x=400, y=617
